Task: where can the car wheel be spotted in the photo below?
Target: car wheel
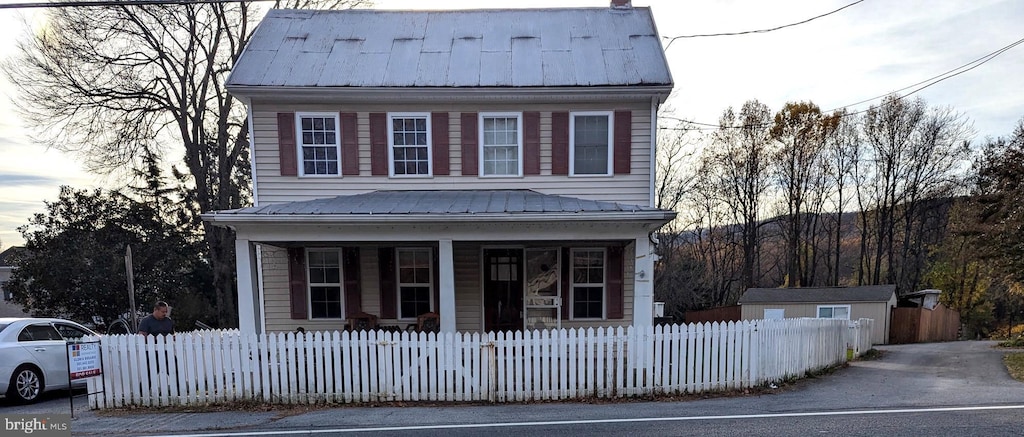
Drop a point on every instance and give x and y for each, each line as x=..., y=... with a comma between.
x=26, y=385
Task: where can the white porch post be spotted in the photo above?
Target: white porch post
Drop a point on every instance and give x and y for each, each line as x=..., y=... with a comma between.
x=447, y=284
x=643, y=283
x=248, y=298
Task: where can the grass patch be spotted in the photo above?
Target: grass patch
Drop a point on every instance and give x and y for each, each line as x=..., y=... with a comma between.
x=871, y=354
x=1015, y=364
x=1013, y=342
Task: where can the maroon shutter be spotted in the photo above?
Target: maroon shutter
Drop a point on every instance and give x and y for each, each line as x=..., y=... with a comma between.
x=623, y=141
x=470, y=144
x=353, y=287
x=566, y=283
x=297, y=281
x=613, y=287
x=439, y=141
x=349, y=144
x=388, y=286
x=437, y=281
x=286, y=143
x=531, y=142
x=378, y=144
x=559, y=143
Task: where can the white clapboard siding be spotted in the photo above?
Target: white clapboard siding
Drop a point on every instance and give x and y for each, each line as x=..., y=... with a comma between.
x=210, y=367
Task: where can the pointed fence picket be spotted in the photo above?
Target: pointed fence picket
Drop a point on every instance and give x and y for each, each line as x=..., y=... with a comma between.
x=208, y=367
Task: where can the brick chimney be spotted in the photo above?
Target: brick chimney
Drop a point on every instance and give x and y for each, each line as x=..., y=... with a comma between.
x=622, y=4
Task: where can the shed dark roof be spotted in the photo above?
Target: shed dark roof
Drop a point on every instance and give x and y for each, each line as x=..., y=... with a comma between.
x=870, y=293
x=468, y=48
x=443, y=202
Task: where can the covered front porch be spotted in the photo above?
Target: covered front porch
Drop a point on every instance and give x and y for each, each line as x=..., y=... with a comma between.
x=482, y=260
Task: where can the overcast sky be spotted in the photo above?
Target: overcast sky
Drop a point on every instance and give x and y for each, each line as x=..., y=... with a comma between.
x=866, y=50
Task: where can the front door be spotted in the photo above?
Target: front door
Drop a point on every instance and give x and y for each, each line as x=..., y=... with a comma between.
x=503, y=289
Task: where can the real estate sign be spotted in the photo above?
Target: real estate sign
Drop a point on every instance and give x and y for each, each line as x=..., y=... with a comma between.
x=84, y=360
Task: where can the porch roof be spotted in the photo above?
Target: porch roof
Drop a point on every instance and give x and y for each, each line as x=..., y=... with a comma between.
x=442, y=205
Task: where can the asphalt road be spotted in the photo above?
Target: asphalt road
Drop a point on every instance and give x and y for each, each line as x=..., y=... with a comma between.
x=955, y=389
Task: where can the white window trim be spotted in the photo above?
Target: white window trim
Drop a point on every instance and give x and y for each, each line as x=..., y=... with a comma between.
x=399, y=283
x=572, y=283
x=310, y=284
x=572, y=142
x=519, y=142
x=299, y=143
x=391, y=144
x=817, y=311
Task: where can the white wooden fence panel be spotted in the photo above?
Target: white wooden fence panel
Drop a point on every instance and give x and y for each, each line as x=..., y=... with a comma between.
x=222, y=366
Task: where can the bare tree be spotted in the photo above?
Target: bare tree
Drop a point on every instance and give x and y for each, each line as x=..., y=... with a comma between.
x=911, y=156
x=115, y=83
x=739, y=158
x=842, y=155
x=800, y=131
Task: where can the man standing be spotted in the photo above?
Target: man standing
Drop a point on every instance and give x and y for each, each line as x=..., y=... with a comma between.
x=157, y=323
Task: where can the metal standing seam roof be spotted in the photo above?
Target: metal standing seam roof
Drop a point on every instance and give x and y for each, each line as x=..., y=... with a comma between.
x=467, y=48
x=870, y=293
x=446, y=202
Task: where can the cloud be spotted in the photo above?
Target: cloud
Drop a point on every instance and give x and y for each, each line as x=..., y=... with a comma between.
x=15, y=180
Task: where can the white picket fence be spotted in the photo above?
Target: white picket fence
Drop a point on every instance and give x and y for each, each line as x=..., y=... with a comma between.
x=375, y=366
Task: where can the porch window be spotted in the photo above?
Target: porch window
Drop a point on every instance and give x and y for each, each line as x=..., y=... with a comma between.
x=590, y=139
x=319, y=146
x=501, y=144
x=325, y=296
x=415, y=282
x=834, y=312
x=409, y=135
x=588, y=283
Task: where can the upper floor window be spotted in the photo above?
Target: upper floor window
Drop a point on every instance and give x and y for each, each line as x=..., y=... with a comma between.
x=319, y=147
x=415, y=282
x=325, y=288
x=590, y=143
x=588, y=283
x=409, y=138
x=501, y=144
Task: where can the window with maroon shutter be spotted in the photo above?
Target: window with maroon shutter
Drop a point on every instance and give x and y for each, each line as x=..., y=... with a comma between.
x=297, y=282
x=614, y=287
x=470, y=143
x=440, y=142
x=353, y=287
x=591, y=145
x=319, y=143
x=388, y=299
x=500, y=144
x=378, y=144
x=326, y=291
x=588, y=288
x=286, y=143
x=560, y=143
x=349, y=144
x=531, y=143
x=623, y=141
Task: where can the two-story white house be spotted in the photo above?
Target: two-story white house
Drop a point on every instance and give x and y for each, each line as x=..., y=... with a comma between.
x=493, y=166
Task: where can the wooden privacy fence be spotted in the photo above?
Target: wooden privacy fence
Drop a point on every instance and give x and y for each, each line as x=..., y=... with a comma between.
x=922, y=325
x=374, y=366
x=721, y=314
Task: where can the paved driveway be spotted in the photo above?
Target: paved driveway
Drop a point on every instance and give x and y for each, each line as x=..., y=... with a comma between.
x=907, y=376
x=914, y=375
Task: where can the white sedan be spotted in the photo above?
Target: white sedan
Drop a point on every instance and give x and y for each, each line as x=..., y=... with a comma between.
x=33, y=356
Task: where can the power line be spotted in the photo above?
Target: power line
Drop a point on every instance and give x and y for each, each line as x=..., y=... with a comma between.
x=86, y=3
x=924, y=84
x=674, y=38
